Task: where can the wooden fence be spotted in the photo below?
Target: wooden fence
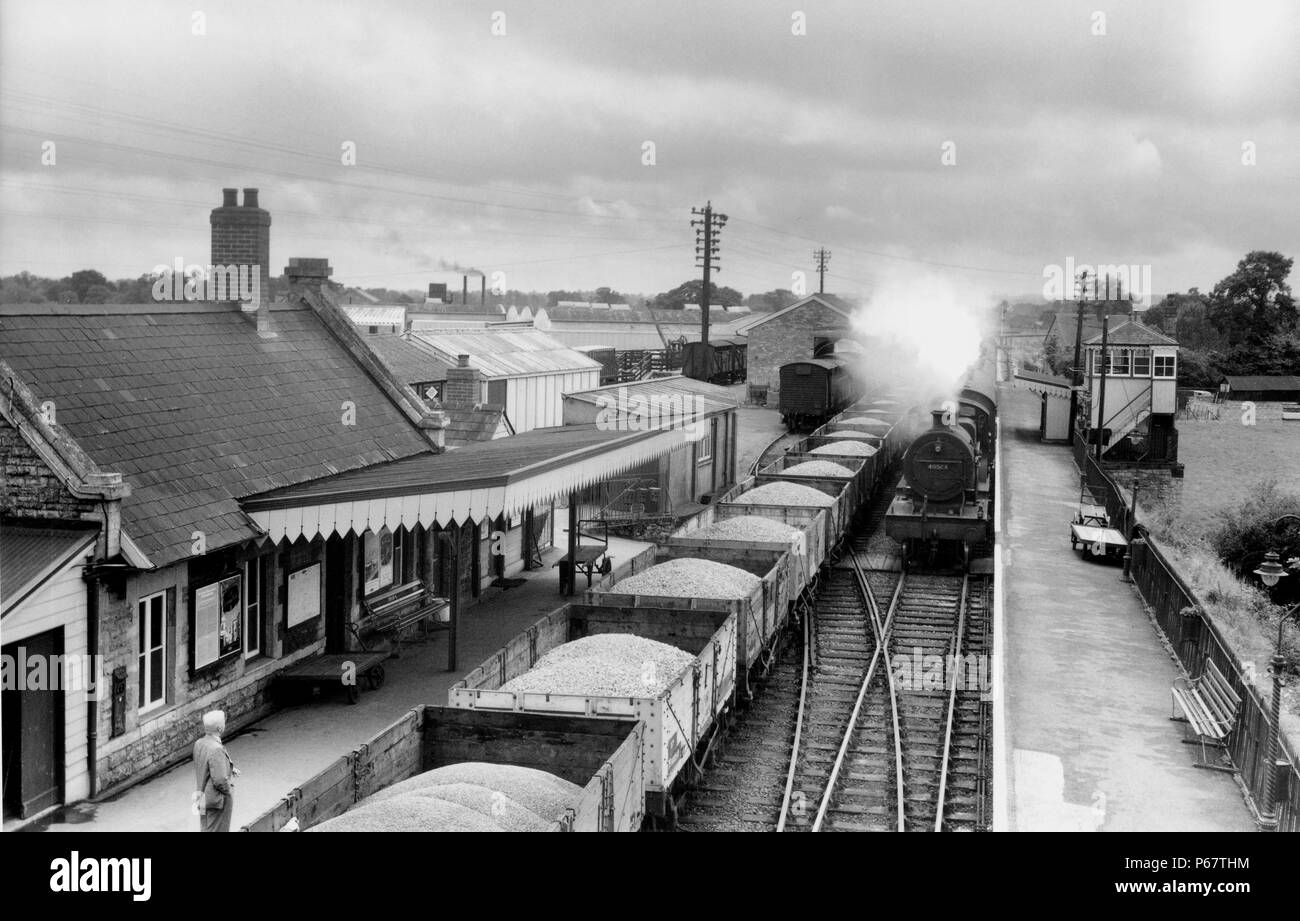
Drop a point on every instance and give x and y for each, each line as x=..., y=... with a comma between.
x=1196, y=640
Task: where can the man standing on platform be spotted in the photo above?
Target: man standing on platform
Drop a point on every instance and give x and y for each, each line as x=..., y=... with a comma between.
x=214, y=772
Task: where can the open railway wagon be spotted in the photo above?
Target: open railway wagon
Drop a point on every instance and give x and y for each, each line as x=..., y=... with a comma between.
x=862, y=474
x=686, y=717
x=839, y=510
x=603, y=757
x=760, y=614
x=811, y=523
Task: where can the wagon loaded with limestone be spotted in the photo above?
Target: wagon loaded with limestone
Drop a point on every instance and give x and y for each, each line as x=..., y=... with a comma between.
x=753, y=584
x=673, y=670
x=440, y=769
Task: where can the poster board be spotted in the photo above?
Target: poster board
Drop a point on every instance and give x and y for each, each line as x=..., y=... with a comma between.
x=303, y=596
x=377, y=553
x=218, y=619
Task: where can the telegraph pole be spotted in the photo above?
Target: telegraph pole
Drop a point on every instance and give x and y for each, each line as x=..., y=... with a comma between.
x=707, y=227
x=1101, y=391
x=823, y=256
x=1076, y=375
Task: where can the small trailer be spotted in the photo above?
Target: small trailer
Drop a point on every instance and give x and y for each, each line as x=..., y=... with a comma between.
x=344, y=670
x=1092, y=530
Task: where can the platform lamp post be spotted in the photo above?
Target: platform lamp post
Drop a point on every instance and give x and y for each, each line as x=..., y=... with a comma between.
x=1270, y=572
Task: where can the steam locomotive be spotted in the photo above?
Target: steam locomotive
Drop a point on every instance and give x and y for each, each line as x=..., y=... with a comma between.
x=944, y=502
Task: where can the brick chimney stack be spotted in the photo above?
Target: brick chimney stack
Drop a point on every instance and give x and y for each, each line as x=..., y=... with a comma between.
x=242, y=236
x=464, y=388
x=313, y=273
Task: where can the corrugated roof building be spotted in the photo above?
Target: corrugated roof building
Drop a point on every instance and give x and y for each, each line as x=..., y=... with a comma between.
x=525, y=371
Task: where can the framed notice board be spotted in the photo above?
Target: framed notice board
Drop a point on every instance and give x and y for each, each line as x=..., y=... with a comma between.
x=218, y=620
x=303, y=596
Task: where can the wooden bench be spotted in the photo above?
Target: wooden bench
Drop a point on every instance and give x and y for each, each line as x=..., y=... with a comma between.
x=1210, y=707
x=391, y=611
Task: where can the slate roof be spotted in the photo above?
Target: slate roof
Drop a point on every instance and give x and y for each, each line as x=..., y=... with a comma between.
x=196, y=410
x=411, y=363
x=1131, y=332
x=489, y=463
x=837, y=304
x=467, y=425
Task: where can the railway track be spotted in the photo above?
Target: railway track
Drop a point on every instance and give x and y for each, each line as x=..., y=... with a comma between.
x=859, y=724
x=914, y=757
x=744, y=787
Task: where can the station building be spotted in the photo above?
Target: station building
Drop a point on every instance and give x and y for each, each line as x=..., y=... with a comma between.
x=197, y=496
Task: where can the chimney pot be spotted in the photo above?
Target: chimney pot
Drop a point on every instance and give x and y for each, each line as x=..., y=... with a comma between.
x=462, y=361
x=229, y=198
x=250, y=198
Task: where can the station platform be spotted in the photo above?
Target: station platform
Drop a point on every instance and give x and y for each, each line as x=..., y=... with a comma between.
x=1086, y=742
x=293, y=744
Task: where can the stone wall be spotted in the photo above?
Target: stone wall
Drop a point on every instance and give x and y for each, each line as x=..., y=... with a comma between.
x=788, y=338
x=31, y=488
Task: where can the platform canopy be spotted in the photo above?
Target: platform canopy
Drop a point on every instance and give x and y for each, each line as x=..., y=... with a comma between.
x=1043, y=384
x=475, y=483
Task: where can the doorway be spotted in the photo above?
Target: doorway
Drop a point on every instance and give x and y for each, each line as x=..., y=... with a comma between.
x=33, y=729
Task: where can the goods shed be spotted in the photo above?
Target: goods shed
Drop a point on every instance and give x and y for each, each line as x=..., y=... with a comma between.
x=526, y=372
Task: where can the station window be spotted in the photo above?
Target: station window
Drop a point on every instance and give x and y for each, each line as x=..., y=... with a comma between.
x=152, y=614
x=253, y=623
x=1141, y=362
x=1119, y=362
x=1165, y=366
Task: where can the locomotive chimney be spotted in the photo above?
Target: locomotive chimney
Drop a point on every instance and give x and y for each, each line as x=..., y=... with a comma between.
x=938, y=415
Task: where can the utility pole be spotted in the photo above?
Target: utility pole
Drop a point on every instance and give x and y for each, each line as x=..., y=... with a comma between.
x=1076, y=375
x=823, y=256
x=707, y=227
x=1101, y=391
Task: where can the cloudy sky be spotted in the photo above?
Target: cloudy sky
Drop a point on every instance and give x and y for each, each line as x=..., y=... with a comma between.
x=525, y=152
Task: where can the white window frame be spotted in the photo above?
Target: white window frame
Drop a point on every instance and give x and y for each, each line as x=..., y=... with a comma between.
x=1141, y=355
x=253, y=572
x=144, y=655
x=1126, y=355
x=1172, y=366
x=704, y=447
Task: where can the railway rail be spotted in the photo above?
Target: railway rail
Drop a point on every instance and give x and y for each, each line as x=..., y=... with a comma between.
x=873, y=717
